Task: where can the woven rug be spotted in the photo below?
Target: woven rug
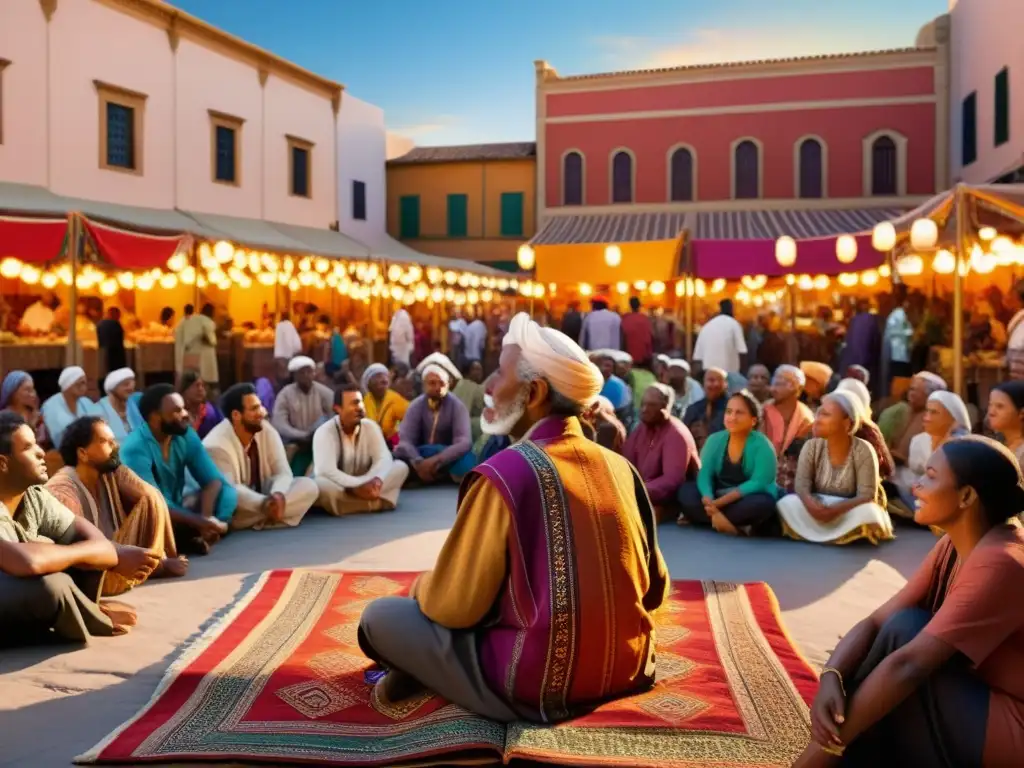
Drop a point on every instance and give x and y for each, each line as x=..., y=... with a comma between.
x=281, y=679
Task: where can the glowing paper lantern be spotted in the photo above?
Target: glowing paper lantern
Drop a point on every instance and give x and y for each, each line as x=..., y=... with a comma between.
x=924, y=234
x=846, y=249
x=883, y=238
x=785, y=251
x=944, y=262
x=612, y=255
x=525, y=257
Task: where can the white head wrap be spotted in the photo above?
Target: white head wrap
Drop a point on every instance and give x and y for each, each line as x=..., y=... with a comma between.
x=116, y=378
x=621, y=357
x=69, y=377
x=820, y=372
x=371, y=371
x=863, y=372
x=793, y=373
x=663, y=359
x=850, y=404
x=438, y=371
x=933, y=380
x=557, y=358
x=856, y=388
x=667, y=392
x=678, y=362
x=299, y=362
x=954, y=406
x=720, y=371
x=442, y=361
x=597, y=354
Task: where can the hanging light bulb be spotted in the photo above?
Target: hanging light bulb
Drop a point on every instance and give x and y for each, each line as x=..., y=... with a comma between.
x=640, y=285
x=848, y=279
x=421, y=292
x=910, y=265
x=790, y=279
x=805, y=283
x=321, y=265
x=223, y=251
x=944, y=262
x=177, y=262
x=987, y=233
x=525, y=257
x=657, y=288
x=449, y=294
x=169, y=282
x=754, y=283
x=982, y=262
x=487, y=295
x=869, y=278
x=188, y=276
x=612, y=255
x=718, y=285
x=145, y=282
x=821, y=282
x=266, y=278
x=10, y=268
x=884, y=271
x=622, y=287
x=585, y=289
x=293, y=284
x=49, y=281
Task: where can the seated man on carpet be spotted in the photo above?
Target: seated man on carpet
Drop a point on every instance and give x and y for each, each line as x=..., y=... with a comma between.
x=662, y=450
x=250, y=455
x=707, y=416
x=67, y=405
x=52, y=563
x=162, y=451
x=352, y=462
x=94, y=484
x=300, y=408
x=435, y=437
x=554, y=521
x=118, y=408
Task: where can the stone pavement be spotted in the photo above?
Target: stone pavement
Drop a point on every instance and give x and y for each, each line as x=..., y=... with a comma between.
x=55, y=704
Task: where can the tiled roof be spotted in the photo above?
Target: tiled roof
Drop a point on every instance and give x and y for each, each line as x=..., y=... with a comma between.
x=595, y=228
x=752, y=62
x=517, y=150
x=770, y=225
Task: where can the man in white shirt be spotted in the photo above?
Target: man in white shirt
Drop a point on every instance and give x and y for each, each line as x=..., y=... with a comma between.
x=39, y=317
x=720, y=343
x=249, y=452
x=352, y=464
x=401, y=337
x=474, y=340
x=1015, y=331
x=287, y=342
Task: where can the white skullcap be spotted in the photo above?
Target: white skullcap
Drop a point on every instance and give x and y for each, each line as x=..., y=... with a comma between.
x=663, y=359
x=678, y=362
x=438, y=371
x=621, y=357
x=597, y=354
x=792, y=372
x=371, y=371
x=299, y=362
x=667, y=392
x=856, y=388
x=116, y=378
x=69, y=377
x=557, y=358
x=954, y=406
x=820, y=372
x=720, y=371
x=850, y=404
x=441, y=360
x=933, y=380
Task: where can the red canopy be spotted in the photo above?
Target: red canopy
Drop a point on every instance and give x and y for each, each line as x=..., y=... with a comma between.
x=131, y=250
x=34, y=241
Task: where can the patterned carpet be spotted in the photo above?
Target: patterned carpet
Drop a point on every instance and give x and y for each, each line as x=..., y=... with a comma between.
x=280, y=679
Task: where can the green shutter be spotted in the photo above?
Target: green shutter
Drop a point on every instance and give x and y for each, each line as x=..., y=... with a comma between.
x=458, y=215
x=969, y=130
x=1002, y=116
x=409, y=216
x=511, y=214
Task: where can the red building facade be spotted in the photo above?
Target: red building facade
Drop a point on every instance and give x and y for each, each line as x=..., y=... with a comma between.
x=831, y=132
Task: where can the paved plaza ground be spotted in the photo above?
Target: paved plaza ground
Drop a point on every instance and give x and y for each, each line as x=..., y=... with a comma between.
x=56, y=704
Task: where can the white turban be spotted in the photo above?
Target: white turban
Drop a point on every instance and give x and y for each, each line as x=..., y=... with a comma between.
x=720, y=371
x=933, y=380
x=557, y=358
x=299, y=362
x=856, y=388
x=438, y=371
x=597, y=354
x=793, y=373
x=850, y=404
x=678, y=362
x=441, y=361
x=370, y=372
x=954, y=406
x=621, y=357
x=69, y=377
x=820, y=372
x=663, y=359
x=117, y=378
x=667, y=392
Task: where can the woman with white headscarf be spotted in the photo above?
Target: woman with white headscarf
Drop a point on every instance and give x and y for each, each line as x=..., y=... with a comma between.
x=869, y=431
x=787, y=422
x=945, y=417
x=118, y=410
x=838, y=496
x=68, y=404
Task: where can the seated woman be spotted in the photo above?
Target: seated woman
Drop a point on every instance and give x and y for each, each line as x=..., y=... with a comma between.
x=838, y=496
x=735, y=489
x=202, y=415
x=869, y=431
x=118, y=408
x=69, y=404
x=787, y=422
x=1005, y=415
x=936, y=675
x=945, y=417
x=818, y=376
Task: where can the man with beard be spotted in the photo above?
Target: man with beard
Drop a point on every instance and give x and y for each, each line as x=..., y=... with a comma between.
x=250, y=455
x=351, y=460
x=94, y=484
x=52, y=562
x=300, y=408
x=162, y=451
x=555, y=521
x=436, y=436
x=707, y=416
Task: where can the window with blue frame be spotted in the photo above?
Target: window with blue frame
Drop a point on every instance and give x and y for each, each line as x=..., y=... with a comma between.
x=300, y=166
x=120, y=149
x=225, y=147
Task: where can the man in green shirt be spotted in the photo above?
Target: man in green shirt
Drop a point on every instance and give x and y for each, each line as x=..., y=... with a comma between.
x=51, y=561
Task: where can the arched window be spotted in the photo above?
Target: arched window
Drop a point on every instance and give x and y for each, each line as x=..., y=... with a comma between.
x=572, y=179
x=747, y=171
x=681, y=171
x=883, y=167
x=622, y=177
x=811, y=169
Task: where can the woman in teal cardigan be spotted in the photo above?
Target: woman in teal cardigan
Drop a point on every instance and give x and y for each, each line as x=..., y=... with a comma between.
x=735, y=492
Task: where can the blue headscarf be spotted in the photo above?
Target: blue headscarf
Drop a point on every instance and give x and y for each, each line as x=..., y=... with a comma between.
x=12, y=381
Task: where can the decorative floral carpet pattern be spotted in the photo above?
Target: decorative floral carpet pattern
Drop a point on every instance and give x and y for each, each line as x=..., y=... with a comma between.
x=281, y=679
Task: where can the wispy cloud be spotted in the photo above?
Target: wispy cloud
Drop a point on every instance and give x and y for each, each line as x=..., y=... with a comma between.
x=432, y=125
x=716, y=46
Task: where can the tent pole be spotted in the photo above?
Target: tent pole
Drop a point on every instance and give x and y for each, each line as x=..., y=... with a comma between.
x=690, y=286
x=960, y=211
x=74, y=245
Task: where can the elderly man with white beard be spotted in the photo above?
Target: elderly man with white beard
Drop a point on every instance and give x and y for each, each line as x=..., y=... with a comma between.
x=553, y=554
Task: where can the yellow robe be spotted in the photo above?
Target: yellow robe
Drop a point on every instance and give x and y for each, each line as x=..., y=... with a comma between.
x=388, y=413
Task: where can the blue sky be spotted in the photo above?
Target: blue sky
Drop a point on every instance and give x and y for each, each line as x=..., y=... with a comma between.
x=461, y=71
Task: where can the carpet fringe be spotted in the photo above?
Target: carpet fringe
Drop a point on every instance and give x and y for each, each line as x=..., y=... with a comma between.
x=188, y=652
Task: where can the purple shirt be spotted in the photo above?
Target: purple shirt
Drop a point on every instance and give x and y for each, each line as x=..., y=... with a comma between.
x=863, y=343
x=665, y=456
x=601, y=330
x=449, y=425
